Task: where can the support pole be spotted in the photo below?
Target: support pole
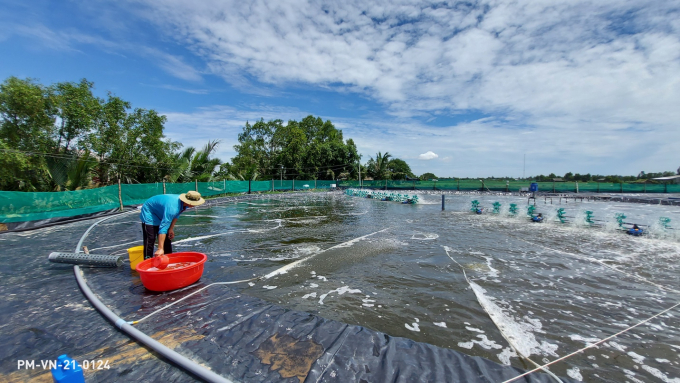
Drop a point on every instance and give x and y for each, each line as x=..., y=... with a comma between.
x=196, y=185
x=120, y=195
x=576, y=187
x=458, y=185
x=249, y=184
x=443, y=203
x=272, y=183
x=163, y=187
x=293, y=187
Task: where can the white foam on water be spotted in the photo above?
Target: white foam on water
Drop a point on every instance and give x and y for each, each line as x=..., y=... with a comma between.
x=616, y=346
x=588, y=341
x=349, y=243
x=474, y=329
x=251, y=284
x=414, y=326
x=468, y=345
x=313, y=285
x=505, y=355
x=486, y=343
x=425, y=236
x=637, y=358
x=322, y=278
x=520, y=335
x=631, y=375
x=268, y=287
x=310, y=295
x=575, y=373
x=660, y=375
x=493, y=273
x=340, y=291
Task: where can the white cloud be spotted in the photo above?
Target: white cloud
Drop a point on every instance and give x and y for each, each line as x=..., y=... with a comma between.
x=428, y=156
x=595, y=83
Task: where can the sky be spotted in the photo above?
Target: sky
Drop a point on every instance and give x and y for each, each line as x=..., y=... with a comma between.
x=458, y=89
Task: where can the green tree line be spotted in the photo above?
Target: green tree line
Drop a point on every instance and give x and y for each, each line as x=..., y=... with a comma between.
x=63, y=137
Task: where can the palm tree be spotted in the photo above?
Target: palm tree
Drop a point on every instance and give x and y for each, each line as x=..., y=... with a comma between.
x=190, y=164
x=377, y=168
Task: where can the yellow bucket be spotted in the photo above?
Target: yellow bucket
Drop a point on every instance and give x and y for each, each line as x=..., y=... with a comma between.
x=136, y=255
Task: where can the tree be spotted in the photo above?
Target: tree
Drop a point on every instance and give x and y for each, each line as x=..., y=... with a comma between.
x=27, y=112
x=377, y=167
x=399, y=169
x=427, y=176
x=307, y=149
x=77, y=109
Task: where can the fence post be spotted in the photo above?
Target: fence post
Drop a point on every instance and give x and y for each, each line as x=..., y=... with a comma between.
x=598, y=187
x=272, y=184
x=120, y=195
x=314, y=183
x=576, y=184
x=553, y=186
x=458, y=185
x=665, y=187
x=249, y=183
x=645, y=191
x=414, y=184
x=443, y=203
x=163, y=187
x=293, y=187
x=621, y=187
x=225, y=187
x=196, y=185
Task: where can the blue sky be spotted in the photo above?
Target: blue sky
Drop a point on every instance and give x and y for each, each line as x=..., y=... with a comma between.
x=461, y=89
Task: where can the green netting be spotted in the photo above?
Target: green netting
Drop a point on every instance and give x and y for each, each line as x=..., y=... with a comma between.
x=208, y=189
x=260, y=186
x=283, y=185
x=325, y=184
x=24, y=206
x=179, y=188
x=136, y=194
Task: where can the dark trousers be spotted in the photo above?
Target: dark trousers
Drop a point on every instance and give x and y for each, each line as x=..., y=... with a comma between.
x=149, y=235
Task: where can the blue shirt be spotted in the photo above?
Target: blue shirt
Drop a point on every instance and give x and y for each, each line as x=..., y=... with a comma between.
x=160, y=210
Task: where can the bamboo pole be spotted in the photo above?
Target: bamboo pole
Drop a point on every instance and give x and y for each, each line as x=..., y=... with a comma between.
x=120, y=195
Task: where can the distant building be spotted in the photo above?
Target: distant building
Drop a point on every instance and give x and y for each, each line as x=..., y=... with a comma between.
x=670, y=180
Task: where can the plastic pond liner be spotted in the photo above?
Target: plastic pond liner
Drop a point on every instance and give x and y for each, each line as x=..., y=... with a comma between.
x=344, y=289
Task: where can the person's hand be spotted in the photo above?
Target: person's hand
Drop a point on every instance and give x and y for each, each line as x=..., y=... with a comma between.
x=171, y=234
x=158, y=253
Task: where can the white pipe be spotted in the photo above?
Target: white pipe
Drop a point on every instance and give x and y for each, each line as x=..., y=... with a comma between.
x=183, y=362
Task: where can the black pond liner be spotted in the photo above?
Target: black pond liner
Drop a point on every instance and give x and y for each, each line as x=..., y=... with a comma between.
x=248, y=339
x=237, y=336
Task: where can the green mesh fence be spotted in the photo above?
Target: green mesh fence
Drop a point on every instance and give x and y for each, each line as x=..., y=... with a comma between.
x=179, y=188
x=22, y=206
x=136, y=194
x=260, y=186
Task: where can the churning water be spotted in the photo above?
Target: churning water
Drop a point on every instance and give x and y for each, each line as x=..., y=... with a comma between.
x=551, y=288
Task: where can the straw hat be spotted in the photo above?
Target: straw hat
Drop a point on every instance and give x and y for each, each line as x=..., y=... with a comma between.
x=192, y=198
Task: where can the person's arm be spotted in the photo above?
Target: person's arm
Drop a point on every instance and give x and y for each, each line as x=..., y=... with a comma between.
x=171, y=230
x=161, y=242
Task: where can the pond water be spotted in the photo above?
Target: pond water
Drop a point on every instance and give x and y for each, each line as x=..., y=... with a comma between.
x=455, y=279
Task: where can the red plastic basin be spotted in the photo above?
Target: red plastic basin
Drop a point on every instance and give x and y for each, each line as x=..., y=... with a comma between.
x=172, y=279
